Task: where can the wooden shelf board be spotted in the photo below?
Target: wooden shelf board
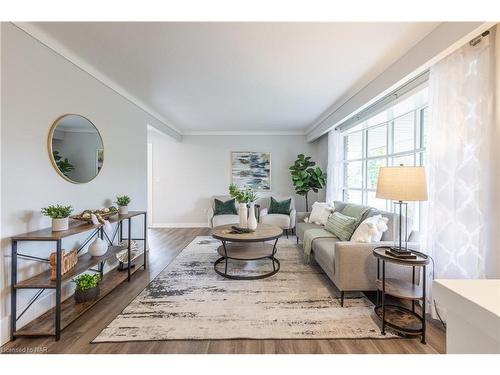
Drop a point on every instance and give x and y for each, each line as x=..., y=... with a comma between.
x=75, y=227
x=85, y=262
x=401, y=289
x=70, y=311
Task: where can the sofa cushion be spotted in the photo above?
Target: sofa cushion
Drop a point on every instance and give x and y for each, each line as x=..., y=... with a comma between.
x=320, y=212
x=280, y=207
x=341, y=225
x=355, y=210
x=225, y=219
x=302, y=227
x=324, y=254
x=224, y=208
x=279, y=220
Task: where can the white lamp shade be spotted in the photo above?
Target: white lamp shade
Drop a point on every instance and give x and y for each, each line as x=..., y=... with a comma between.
x=402, y=184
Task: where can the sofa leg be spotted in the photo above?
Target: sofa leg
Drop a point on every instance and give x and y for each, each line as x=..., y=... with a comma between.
x=297, y=240
x=286, y=231
x=342, y=299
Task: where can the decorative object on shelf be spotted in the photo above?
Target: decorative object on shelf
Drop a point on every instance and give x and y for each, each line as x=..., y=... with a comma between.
x=251, y=169
x=69, y=261
x=245, y=197
x=123, y=202
x=306, y=178
x=401, y=184
x=98, y=247
x=101, y=215
x=59, y=215
x=87, y=287
x=122, y=256
x=252, y=220
x=74, y=164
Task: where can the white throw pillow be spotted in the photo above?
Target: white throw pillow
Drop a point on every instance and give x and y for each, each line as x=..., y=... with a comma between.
x=371, y=229
x=320, y=212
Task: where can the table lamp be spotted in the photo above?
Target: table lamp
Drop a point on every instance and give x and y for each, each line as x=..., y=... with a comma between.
x=401, y=184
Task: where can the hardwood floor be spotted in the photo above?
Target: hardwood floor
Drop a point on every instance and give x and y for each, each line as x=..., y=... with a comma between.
x=165, y=245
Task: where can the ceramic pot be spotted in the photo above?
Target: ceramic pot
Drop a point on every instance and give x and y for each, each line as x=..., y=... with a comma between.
x=98, y=247
x=123, y=210
x=60, y=224
x=252, y=220
x=87, y=295
x=243, y=212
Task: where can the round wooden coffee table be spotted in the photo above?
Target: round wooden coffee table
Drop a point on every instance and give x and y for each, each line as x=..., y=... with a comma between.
x=247, y=247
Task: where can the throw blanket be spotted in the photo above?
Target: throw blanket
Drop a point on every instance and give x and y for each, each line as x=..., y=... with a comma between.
x=309, y=236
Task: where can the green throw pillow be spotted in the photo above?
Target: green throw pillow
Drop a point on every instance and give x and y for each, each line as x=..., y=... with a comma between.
x=225, y=208
x=341, y=226
x=281, y=207
x=355, y=210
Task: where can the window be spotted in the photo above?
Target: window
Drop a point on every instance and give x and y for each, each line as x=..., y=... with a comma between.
x=393, y=137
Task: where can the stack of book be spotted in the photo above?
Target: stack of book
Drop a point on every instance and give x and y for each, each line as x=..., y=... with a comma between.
x=400, y=253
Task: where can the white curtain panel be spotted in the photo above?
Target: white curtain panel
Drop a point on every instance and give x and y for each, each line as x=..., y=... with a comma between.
x=461, y=216
x=335, y=168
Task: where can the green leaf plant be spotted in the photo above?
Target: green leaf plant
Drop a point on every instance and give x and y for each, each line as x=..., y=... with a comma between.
x=306, y=176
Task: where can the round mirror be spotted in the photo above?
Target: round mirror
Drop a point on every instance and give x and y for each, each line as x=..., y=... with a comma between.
x=76, y=148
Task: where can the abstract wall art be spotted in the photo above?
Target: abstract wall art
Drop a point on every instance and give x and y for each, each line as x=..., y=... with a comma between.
x=251, y=169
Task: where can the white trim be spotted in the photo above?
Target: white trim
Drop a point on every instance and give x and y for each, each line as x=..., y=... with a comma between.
x=42, y=37
x=179, y=225
x=245, y=132
x=443, y=40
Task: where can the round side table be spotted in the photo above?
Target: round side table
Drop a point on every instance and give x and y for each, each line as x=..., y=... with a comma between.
x=400, y=318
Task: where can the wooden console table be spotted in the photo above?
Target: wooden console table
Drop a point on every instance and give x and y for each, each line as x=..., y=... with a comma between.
x=66, y=311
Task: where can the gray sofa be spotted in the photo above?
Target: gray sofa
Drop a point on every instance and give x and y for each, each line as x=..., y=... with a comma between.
x=351, y=265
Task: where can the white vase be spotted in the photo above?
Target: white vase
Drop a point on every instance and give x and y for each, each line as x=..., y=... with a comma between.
x=123, y=210
x=60, y=224
x=243, y=212
x=252, y=220
x=98, y=247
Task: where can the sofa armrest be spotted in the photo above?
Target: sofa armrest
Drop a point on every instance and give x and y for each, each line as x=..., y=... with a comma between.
x=262, y=213
x=300, y=216
x=210, y=216
x=293, y=214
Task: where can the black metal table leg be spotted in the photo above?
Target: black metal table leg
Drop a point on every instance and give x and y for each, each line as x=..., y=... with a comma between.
x=58, y=289
x=145, y=238
x=383, y=298
x=225, y=257
x=423, y=303
x=129, y=246
x=13, y=295
x=413, y=281
x=120, y=233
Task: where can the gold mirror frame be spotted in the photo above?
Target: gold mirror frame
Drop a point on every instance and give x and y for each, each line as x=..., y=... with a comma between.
x=49, y=146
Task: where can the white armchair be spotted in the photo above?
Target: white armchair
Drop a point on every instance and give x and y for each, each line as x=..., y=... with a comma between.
x=217, y=220
x=285, y=222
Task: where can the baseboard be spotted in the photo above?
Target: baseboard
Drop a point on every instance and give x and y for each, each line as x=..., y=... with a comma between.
x=179, y=225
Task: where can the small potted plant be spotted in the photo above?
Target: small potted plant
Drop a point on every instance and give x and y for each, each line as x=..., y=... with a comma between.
x=59, y=215
x=245, y=197
x=87, y=287
x=122, y=202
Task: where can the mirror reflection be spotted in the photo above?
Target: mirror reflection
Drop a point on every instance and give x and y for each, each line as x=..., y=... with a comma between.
x=76, y=148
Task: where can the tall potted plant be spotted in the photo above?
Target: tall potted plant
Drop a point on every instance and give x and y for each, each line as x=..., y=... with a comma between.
x=307, y=177
x=59, y=215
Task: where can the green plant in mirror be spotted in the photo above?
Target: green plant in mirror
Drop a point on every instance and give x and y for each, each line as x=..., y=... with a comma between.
x=246, y=195
x=56, y=211
x=86, y=281
x=123, y=200
x=62, y=163
x=306, y=177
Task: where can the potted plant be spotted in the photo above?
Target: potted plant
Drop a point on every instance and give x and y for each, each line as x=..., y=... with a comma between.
x=306, y=178
x=123, y=202
x=87, y=287
x=245, y=197
x=59, y=215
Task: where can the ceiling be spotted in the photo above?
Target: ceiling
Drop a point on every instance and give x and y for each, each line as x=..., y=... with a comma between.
x=203, y=77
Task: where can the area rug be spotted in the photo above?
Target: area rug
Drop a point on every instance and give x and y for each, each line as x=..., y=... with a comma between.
x=189, y=301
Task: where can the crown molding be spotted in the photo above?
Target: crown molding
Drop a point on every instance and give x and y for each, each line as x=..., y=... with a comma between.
x=245, y=132
x=48, y=41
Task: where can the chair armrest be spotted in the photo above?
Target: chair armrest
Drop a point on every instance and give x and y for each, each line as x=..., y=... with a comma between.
x=262, y=213
x=293, y=214
x=210, y=216
x=300, y=216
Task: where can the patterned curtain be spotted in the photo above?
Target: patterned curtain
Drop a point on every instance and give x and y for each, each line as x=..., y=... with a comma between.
x=460, y=222
x=335, y=169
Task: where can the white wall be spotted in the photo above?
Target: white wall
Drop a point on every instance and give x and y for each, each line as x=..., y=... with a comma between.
x=38, y=86
x=187, y=173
